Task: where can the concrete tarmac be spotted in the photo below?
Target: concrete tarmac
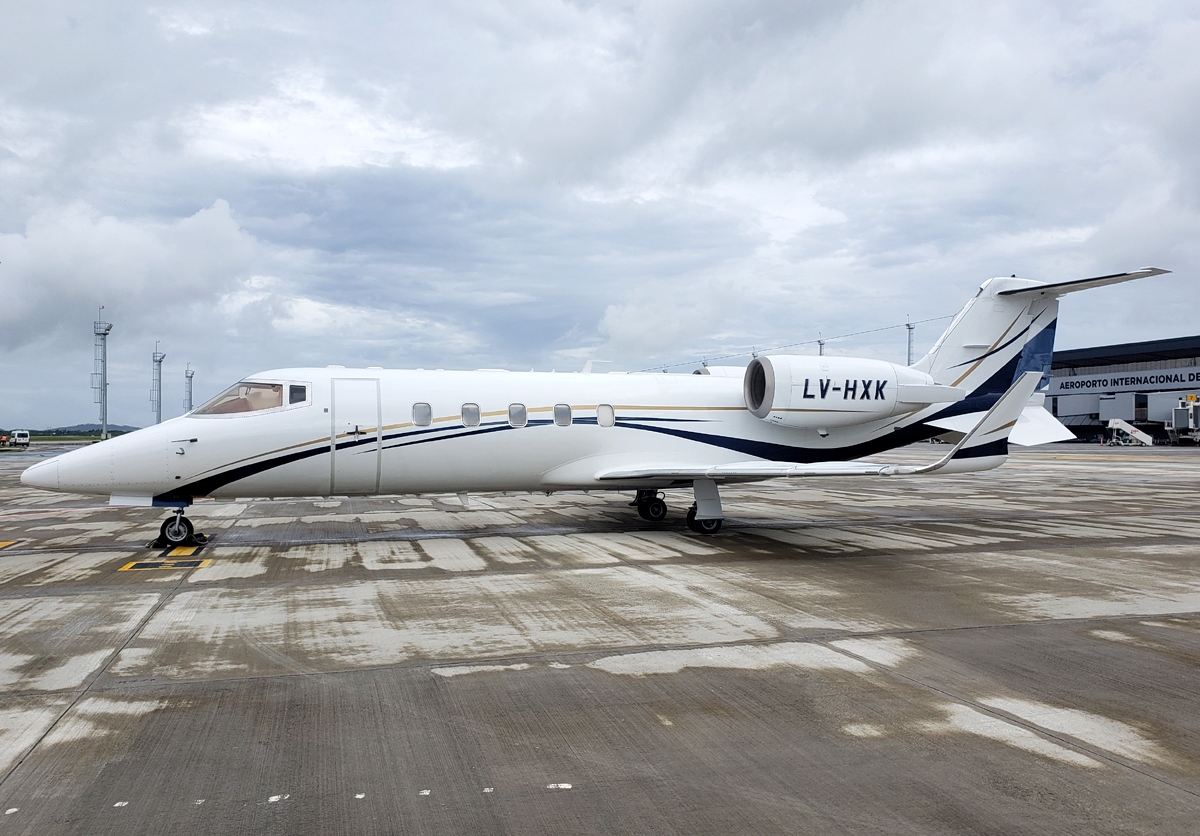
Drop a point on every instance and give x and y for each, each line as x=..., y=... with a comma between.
x=1011, y=652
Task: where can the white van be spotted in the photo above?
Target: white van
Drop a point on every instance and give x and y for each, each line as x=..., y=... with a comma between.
x=20, y=438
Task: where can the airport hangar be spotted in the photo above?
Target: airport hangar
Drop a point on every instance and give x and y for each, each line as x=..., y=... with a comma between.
x=1136, y=382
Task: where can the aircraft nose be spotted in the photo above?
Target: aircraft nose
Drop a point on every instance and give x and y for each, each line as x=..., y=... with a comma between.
x=42, y=475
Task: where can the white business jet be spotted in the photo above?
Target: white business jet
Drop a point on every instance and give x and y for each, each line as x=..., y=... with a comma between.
x=366, y=432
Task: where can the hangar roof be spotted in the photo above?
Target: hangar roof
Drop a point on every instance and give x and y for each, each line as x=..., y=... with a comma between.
x=1111, y=355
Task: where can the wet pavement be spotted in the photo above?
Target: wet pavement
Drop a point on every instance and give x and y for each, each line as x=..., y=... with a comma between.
x=1009, y=652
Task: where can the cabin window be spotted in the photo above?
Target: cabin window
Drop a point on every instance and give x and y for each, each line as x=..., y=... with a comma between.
x=422, y=414
x=605, y=415
x=470, y=414
x=517, y=415
x=297, y=394
x=246, y=396
x=562, y=414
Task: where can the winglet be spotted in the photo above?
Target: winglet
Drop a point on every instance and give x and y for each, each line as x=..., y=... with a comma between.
x=986, y=446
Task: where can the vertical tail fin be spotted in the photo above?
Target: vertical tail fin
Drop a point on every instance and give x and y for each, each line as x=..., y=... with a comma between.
x=994, y=340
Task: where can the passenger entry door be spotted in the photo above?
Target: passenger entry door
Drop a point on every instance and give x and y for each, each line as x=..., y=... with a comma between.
x=355, y=436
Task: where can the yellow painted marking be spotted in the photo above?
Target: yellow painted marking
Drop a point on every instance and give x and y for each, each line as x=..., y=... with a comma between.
x=6, y=543
x=145, y=565
x=182, y=551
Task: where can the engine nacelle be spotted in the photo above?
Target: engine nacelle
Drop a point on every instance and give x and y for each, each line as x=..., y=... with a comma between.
x=820, y=392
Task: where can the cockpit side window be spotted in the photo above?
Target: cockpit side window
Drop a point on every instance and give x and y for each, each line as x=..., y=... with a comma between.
x=247, y=396
x=297, y=393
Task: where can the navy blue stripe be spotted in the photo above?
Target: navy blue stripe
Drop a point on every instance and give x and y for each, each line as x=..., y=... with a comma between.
x=992, y=448
x=804, y=455
x=758, y=449
x=480, y=431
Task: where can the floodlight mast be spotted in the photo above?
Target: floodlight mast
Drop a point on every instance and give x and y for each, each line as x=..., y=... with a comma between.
x=156, y=384
x=100, y=369
x=188, y=374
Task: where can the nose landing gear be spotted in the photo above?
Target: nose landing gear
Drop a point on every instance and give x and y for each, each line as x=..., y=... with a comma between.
x=178, y=531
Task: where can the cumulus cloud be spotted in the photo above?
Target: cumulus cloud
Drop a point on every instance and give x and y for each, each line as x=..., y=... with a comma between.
x=304, y=126
x=70, y=260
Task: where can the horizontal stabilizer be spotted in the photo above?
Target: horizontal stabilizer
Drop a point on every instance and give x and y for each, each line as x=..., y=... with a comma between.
x=1057, y=289
x=1035, y=426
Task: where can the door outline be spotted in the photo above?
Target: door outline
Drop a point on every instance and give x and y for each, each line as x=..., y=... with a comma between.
x=333, y=434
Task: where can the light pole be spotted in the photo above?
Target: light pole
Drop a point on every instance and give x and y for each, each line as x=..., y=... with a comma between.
x=910, y=328
x=100, y=369
x=156, y=384
x=188, y=374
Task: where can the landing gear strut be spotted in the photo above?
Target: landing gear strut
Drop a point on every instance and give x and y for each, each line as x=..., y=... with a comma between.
x=701, y=526
x=650, y=505
x=704, y=517
x=177, y=530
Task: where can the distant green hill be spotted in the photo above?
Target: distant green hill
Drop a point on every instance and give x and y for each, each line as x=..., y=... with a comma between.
x=77, y=429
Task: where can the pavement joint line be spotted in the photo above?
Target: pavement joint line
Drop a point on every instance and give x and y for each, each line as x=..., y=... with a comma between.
x=915, y=557
x=733, y=525
x=584, y=657
x=164, y=597
x=1063, y=740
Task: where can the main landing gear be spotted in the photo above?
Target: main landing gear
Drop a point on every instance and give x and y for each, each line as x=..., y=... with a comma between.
x=178, y=531
x=701, y=526
x=650, y=506
x=704, y=517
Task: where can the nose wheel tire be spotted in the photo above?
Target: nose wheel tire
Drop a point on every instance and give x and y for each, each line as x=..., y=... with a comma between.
x=654, y=510
x=176, y=531
x=701, y=526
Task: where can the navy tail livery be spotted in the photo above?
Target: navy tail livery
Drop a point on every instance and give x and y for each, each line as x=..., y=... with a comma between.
x=337, y=431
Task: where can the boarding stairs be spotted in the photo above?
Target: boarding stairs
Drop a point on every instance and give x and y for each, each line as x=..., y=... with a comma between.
x=1124, y=433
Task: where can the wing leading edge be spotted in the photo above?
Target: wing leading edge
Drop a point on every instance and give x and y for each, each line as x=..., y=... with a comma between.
x=985, y=446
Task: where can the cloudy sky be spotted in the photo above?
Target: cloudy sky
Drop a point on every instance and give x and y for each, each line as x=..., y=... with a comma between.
x=535, y=184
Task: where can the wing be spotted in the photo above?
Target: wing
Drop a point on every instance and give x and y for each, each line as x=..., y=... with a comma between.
x=983, y=447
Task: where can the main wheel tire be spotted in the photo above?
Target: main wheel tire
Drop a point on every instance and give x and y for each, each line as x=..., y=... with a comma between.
x=655, y=510
x=701, y=526
x=176, y=531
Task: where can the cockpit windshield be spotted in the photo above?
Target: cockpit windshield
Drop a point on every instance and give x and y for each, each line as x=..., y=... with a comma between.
x=246, y=396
